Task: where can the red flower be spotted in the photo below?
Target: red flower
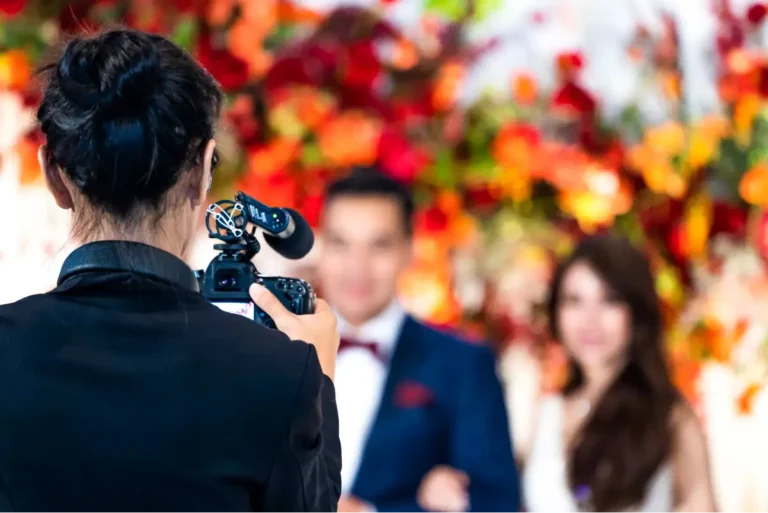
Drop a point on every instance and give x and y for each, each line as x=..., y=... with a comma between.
x=730, y=33
x=241, y=116
x=12, y=7
x=311, y=63
x=756, y=13
x=572, y=98
x=362, y=65
x=412, y=112
x=399, y=158
x=481, y=197
x=312, y=208
x=729, y=219
x=432, y=220
x=231, y=72
x=569, y=62
x=762, y=81
x=761, y=235
x=676, y=243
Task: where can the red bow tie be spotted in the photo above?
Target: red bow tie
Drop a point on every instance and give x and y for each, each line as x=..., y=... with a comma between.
x=347, y=343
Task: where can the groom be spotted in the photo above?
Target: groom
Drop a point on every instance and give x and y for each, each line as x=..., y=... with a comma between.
x=422, y=418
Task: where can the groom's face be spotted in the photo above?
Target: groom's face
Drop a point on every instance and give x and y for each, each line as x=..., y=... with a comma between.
x=366, y=247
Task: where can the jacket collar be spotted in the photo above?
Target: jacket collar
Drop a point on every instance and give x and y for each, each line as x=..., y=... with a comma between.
x=132, y=257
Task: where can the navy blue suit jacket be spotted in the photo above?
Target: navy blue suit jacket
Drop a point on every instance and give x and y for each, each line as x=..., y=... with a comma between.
x=442, y=405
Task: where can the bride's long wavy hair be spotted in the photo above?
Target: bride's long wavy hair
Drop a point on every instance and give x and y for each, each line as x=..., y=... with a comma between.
x=628, y=435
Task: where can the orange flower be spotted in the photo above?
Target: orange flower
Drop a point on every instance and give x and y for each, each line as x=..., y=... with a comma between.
x=295, y=110
x=289, y=12
x=554, y=366
x=446, y=86
x=15, y=70
x=524, y=89
x=653, y=159
x=696, y=225
x=427, y=291
x=276, y=189
x=515, y=150
x=30, y=167
x=515, y=146
x=746, y=400
x=685, y=374
x=562, y=165
x=219, y=11
x=753, y=187
x=351, y=138
x=671, y=84
x=405, y=56
x=273, y=158
x=245, y=38
x=312, y=106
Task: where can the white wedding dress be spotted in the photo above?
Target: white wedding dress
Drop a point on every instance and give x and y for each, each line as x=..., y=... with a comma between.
x=545, y=481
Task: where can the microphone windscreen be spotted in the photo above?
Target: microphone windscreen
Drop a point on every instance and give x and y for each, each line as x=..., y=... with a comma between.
x=300, y=242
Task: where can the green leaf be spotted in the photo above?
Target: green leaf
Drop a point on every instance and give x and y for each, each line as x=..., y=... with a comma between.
x=730, y=167
x=442, y=173
x=185, y=33
x=484, y=8
x=482, y=168
x=454, y=10
x=311, y=155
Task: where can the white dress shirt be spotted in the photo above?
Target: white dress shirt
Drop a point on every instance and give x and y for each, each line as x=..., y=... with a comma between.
x=360, y=378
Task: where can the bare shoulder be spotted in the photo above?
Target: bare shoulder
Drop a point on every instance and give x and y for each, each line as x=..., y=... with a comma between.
x=692, y=479
x=686, y=424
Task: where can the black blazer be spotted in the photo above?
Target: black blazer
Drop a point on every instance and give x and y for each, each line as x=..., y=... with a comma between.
x=123, y=389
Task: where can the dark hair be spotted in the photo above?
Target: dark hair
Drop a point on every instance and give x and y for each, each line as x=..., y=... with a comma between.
x=368, y=181
x=124, y=113
x=628, y=435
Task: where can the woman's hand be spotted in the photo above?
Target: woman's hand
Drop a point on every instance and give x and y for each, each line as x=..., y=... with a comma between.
x=444, y=489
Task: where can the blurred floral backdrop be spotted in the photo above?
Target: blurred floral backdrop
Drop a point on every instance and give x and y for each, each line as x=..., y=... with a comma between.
x=521, y=126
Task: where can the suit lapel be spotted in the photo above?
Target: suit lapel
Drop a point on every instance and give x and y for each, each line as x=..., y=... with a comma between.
x=405, y=354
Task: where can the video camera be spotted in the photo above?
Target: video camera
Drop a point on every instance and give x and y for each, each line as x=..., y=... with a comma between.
x=228, y=277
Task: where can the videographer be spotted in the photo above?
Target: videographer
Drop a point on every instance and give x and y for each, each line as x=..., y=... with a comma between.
x=123, y=388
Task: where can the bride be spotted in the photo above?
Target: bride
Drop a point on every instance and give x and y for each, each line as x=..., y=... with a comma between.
x=618, y=436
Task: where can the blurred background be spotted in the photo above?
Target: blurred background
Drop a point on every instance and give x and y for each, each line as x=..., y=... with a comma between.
x=521, y=125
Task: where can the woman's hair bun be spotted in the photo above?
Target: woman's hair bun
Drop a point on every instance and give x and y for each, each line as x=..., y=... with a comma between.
x=115, y=75
x=123, y=113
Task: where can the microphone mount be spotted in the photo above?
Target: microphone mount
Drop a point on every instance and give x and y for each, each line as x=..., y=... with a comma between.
x=230, y=221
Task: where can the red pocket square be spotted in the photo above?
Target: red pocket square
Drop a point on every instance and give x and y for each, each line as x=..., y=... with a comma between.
x=412, y=394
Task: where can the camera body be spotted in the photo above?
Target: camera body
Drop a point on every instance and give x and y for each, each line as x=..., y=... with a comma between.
x=229, y=276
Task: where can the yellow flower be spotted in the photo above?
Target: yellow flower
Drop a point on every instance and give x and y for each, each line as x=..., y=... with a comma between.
x=603, y=197
x=667, y=139
x=747, y=108
x=705, y=141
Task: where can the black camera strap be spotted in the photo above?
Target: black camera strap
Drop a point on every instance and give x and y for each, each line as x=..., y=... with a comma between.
x=133, y=257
